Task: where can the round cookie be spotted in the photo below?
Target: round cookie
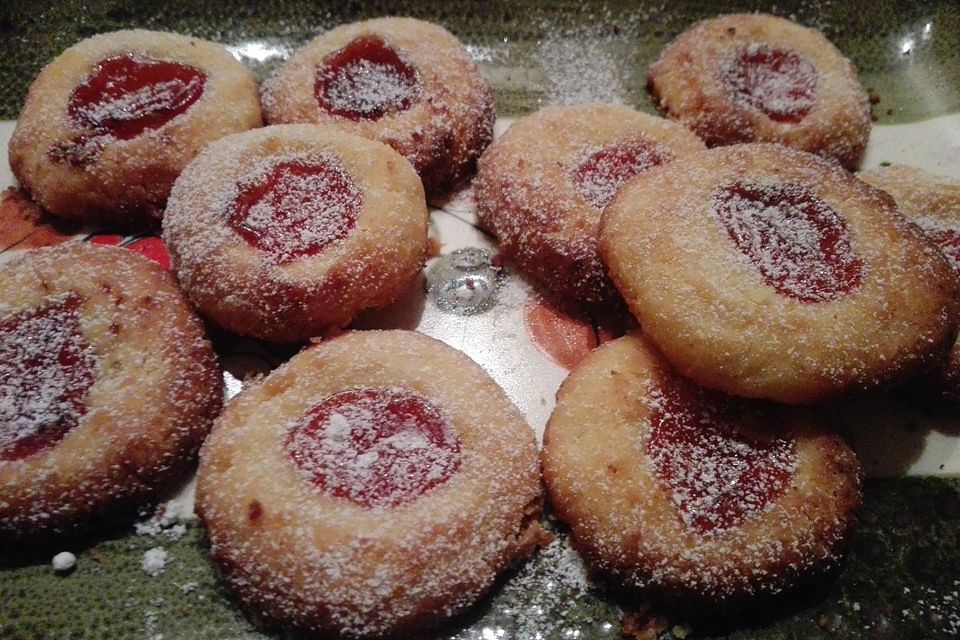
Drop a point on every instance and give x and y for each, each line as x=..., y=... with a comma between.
x=767, y=272
x=932, y=203
x=86, y=334
x=541, y=187
x=374, y=499
x=407, y=83
x=285, y=232
x=699, y=499
x=759, y=78
x=109, y=124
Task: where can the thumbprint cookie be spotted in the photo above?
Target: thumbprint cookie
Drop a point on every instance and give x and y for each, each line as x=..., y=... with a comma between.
x=108, y=385
x=698, y=499
x=759, y=78
x=285, y=232
x=541, y=188
x=359, y=491
x=932, y=203
x=404, y=82
x=767, y=272
x=110, y=123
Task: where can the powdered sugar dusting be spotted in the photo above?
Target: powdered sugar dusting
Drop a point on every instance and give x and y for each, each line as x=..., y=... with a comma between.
x=946, y=235
x=375, y=447
x=154, y=561
x=799, y=244
x=46, y=369
x=697, y=496
x=122, y=98
x=295, y=206
x=779, y=82
x=366, y=79
x=132, y=105
x=141, y=398
x=761, y=78
x=584, y=64
x=407, y=83
x=599, y=176
x=334, y=567
x=716, y=475
x=535, y=602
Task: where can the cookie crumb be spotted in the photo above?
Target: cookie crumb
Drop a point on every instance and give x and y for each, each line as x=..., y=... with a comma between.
x=64, y=562
x=154, y=561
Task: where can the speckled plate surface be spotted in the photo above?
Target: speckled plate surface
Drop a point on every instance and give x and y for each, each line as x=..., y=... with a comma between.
x=900, y=579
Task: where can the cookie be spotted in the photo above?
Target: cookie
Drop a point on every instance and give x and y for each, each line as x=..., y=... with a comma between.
x=404, y=82
x=110, y=123
x=541, y=187
x=771, y=273
x=760, y=78
x=88, y=333
x=697, y=499
x=358, y=491
x=933, y=204
x=286, y=232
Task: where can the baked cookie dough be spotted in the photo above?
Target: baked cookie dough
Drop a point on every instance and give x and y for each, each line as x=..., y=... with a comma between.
x=760, y=78
x=541, y=187
x=932, y=203
x=407, y=83
x=285, y=232
x=110, y=123
x=108, y=385
x=698, y=499
x=767, y=272
x=359, y=491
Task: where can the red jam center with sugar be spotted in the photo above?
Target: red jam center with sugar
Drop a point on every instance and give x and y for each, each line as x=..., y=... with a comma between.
x=46, y=370
x=296, y=208
x=778, y=82
x=947, y=240
x=717, y=477
x=376, y=447
x=601, y=175
x=797, y=242
x=126, y=95
x=366, y=80
x=122, y=98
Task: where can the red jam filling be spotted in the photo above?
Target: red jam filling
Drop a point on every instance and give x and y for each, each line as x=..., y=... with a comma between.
x=716, y=475
x=366, y=80
x=129, y=94
x=797, y=242
x=376, y=447
x=46, y=370
x=778, y=82
x=125, y=96
x=150, y=247
x=296, y=208
x=600, y=176
x=947, y=240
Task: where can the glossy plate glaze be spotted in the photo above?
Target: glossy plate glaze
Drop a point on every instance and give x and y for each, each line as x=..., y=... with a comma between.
x=900, y=578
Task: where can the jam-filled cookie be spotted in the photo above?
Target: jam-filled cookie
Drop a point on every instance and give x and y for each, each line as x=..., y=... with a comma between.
x=759, y=78
x=768, y=272
x=108, y=385
x=541, y=187
x=111, y=122
x=359, y=491
x=699, y=499
x=932, y=203
x=405, y=82
x=287, y=231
